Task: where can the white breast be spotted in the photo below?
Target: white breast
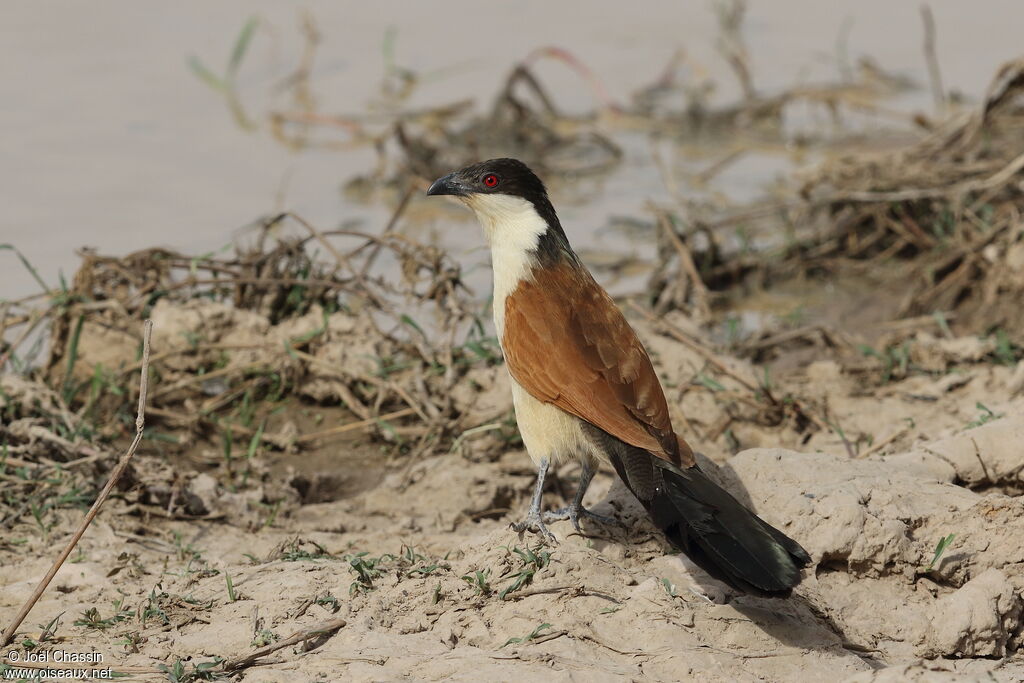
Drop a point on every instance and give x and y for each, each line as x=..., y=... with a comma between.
x=512, y=228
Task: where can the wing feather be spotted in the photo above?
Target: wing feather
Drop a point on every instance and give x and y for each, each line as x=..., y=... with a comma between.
x=567, y=343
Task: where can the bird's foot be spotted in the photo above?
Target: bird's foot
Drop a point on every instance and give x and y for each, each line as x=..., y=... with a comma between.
x=534, y=522
x=573, y=514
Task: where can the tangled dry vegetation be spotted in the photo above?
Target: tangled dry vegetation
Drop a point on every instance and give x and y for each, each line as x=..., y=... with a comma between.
x=237, y=336
x=937, y=221
x=950, y=205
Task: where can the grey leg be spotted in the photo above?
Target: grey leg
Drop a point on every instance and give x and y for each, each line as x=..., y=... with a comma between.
x=534, y=520
x=576, y=509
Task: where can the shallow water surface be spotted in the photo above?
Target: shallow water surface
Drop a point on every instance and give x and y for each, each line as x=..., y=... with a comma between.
x=110, y=141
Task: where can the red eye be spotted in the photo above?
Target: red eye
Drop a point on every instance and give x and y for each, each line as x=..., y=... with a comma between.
x=491, y=180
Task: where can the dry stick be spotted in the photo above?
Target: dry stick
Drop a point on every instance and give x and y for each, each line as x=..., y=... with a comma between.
x=199, y=348
x=700, y=291
x=718, y=166
x=325, y=628
x=934, y=75
x=276, y=440
x=799, y=333
x=884, y=442
x=122, y=465
x=1001, y=177
x=341, y=429
x=341, y=259
x=680, y=336
x=597, y=87
x=399, y=210
x=290, y=281
x=195, y=379
x=38, y=318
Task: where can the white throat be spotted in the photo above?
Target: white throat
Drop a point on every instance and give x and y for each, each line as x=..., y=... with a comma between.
x=513, y=229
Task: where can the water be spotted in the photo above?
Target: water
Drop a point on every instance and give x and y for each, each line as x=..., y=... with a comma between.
x=110, y=141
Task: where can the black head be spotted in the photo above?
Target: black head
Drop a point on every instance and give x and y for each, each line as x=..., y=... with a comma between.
x=509, y=177
x=495, y=176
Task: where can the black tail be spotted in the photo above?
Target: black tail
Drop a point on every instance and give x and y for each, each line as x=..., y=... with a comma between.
x=724, y=538
x=714, y=529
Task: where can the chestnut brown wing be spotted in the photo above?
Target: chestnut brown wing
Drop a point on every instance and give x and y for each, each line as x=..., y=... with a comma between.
x=567, y=343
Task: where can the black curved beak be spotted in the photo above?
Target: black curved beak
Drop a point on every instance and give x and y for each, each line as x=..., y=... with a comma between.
x=449, y=184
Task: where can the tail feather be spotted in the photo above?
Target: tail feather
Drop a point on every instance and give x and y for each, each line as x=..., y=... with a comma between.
x=700, y=518
x=722, y=536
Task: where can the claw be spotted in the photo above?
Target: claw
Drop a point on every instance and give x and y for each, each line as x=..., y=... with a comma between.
x=573, y=514
x=535, y=523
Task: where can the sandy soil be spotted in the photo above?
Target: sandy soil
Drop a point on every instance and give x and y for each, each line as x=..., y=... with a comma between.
x=418, y=559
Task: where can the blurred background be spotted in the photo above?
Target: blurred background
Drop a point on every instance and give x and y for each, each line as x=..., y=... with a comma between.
x=120, y=132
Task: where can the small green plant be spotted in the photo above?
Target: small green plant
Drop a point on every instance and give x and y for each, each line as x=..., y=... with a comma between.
x=850, y=450
x=272, y=509
x=204, y=671
x=669, y=587
x=70, y=389
x=154, y=608
x=986, y=416
x=130, y=641
x=265, y=637
x=186, y=551
x=366, y=569
x=478, y=580
x=50, y=630
x=91, y=618
x=532, y=635
x=1006, y=352
x=28, y=266
x=40, y=513
x=708, y=382
x=408, y=555
x=232, y=596
x=296, y=551
x=732, y=331
x=427, y=570
x=940, y=548
x=225, y=84
x=895, y=360
x=531, y=562
x=329, y=601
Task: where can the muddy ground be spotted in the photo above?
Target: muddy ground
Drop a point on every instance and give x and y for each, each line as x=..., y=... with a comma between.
x=417, y=558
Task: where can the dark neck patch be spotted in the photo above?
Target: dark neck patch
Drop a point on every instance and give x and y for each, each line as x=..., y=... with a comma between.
x=514, y=178
x=552, y=246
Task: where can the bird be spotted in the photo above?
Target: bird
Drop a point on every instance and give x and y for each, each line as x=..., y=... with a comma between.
x=584, y=388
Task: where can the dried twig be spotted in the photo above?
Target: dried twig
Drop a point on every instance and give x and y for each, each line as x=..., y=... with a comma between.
x=883, y=443
x=115, y=475
x=700, y=290
x=710, y=357
x=1001, y=177
x=37, y=317
x=388, y=227
x=341, y=429
x=326, y=628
